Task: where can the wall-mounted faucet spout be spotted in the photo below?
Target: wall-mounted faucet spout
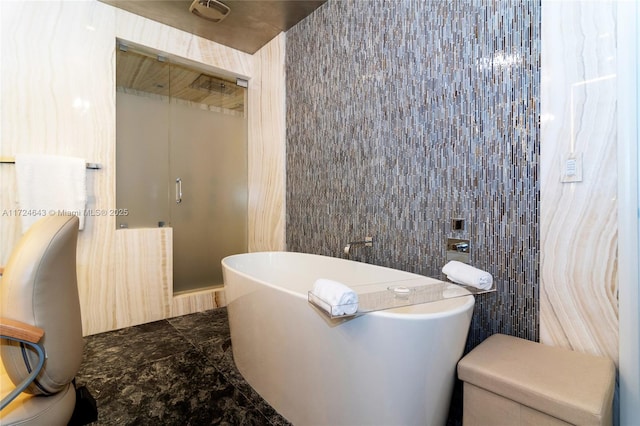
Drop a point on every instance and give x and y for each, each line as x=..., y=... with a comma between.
x=367, y=242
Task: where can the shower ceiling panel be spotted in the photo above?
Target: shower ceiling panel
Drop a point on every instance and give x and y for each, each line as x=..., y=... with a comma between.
x=147, y=74
x=250, y=25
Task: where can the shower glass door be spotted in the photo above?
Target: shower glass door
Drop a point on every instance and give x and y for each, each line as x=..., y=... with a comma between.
x=208, y=163
x=142, y=139
x=208, y=168
x=182, y=161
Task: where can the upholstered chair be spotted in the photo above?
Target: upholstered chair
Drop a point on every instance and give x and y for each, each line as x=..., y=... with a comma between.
x=41, y=327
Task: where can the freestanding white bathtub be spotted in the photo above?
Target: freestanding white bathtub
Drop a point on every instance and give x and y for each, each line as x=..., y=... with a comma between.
x=391, y=367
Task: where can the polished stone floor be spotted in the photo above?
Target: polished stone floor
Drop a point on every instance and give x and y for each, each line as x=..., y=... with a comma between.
x=178, y=371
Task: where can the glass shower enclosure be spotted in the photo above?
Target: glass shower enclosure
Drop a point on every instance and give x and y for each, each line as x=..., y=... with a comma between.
x=181, y=160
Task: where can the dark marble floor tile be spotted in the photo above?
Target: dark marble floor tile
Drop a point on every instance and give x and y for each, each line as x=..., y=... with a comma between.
x=202, y=325
x=208, y=331
x=177, y=371
x=215, y=347
x=228, y=368
x=214, y=339
x=178, y=390
x=106, y=353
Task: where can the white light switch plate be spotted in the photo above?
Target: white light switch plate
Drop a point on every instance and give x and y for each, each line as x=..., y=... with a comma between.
x=571, y=167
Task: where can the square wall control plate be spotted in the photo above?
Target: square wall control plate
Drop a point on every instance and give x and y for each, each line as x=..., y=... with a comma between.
x=571, y=167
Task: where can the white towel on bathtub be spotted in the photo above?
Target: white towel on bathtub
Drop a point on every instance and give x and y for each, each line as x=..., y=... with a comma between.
x=341, y=299
x=464, y=274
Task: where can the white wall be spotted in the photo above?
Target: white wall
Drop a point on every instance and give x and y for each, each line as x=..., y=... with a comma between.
x=629, y=185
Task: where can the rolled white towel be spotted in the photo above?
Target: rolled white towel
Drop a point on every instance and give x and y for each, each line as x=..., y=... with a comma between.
x=464, y=274
x=342, y=299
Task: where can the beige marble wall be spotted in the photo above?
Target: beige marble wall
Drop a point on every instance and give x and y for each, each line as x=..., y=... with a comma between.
x=58, y=97
x=267, y=159
x=578, y=221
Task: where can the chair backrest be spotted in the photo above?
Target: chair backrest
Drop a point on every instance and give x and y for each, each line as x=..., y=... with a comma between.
x=39, y=287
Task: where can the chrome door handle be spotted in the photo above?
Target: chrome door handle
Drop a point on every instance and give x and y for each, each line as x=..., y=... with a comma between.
x=178, y=190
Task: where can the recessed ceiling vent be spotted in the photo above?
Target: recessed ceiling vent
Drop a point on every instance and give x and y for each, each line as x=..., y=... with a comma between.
x=211, y=10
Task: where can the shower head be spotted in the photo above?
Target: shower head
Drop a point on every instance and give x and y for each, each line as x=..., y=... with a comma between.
x=212, y=10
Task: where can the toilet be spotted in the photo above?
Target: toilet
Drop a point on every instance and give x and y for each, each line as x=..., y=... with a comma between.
x=513, y=381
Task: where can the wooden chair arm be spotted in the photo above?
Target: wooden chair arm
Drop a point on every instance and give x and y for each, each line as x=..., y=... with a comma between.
x=28, y=335
x=20, y=330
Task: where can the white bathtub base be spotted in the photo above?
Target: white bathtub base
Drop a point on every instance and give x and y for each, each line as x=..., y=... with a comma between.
x=385, y=368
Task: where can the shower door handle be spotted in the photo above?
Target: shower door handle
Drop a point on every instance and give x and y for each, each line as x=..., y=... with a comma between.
x=178, y=190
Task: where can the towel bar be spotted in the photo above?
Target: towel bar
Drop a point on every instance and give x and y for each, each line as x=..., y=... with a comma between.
x=11, y=160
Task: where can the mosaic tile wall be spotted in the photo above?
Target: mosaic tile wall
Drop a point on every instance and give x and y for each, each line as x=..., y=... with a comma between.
x=402, y=115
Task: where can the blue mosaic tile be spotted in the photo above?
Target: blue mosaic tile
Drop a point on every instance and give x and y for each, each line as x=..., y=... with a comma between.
x=404, y=114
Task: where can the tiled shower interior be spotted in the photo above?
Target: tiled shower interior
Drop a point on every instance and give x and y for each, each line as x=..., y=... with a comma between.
x=402, y=116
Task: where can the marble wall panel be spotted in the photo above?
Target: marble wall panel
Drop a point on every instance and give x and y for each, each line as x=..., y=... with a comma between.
x=197, y=301
x=58, y=97
x=144, y=293
x=578, y=221
x=266, y=154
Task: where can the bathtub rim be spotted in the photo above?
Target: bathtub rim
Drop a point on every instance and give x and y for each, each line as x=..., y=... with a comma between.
x=463, y=302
